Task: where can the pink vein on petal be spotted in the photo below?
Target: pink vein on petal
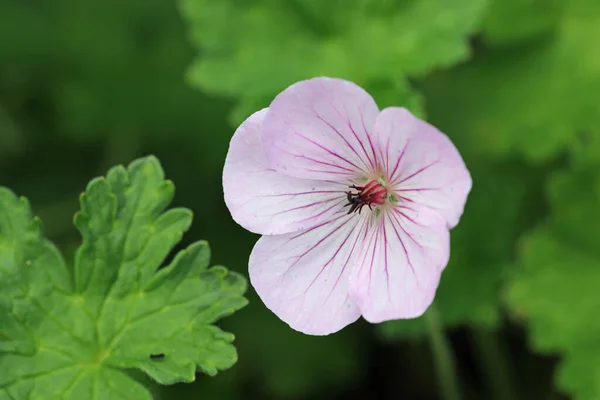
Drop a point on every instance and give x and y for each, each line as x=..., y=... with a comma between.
x=406, y=254
x=417, y=172
x=398, y=212
x=387, y=153
x=307, y=206
x=322, y=212
x=327, y=150
x=343, y=138
x=387, y=275
x=317, y=161
x=349, y=123
x=347, y=260
x=304, y=232
x=327, y=172
x=298, y=258
x=362, y=120
x=324, y=163
x=385, y=258
x=404, y=230
x=330, y=261
x=417, y=190
x=374, y=247
x=299, y=193
x=406, y=199
x=393, y=174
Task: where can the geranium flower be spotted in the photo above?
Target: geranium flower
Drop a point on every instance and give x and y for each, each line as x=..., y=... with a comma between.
x=354, y=205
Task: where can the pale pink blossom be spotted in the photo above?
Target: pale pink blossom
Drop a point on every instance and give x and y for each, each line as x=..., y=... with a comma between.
x=354, y=205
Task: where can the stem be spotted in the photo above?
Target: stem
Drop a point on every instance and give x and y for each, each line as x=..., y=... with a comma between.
x=493, y=357
x=442, y=356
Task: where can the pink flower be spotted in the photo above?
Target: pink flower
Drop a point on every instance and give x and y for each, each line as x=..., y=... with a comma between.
x=354, y=205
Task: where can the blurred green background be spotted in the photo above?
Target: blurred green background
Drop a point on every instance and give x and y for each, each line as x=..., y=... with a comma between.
x=88, y=84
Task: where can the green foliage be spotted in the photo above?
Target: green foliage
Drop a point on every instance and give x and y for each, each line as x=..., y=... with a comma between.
x=555, y=287
x=86, y=66
x=251, y=50
x=535, y=98
x=87, y=84
x=69, y=333
x=512, y=21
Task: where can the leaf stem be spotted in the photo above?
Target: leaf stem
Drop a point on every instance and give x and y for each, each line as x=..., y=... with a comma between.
x=443, y=356
x=494, y=361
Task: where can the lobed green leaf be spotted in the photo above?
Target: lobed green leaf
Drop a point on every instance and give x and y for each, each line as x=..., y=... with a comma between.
x=74, y=334
x=252, y=50
x=534, y=99
x=555, y=286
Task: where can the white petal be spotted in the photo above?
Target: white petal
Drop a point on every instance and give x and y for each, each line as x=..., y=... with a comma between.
x=422, y=164
x=303, y=277
x=319, y=129
x=399, y=268
x=265, y=201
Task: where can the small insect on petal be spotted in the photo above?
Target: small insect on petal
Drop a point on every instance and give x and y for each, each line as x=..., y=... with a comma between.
x=372, y=193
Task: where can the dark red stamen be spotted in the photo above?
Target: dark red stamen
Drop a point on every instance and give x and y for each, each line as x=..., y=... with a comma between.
x=372, y=193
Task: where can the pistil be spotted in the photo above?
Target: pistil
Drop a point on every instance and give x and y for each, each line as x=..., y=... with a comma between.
x=372, y=193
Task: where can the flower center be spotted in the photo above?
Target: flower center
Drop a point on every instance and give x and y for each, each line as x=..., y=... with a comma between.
x=372, y=193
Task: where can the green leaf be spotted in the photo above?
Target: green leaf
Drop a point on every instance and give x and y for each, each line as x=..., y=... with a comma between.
x=585, y=150
x=400, y=92
x=534, y=99
x=555, y=288
x=71, y=333
x=511, y=21
x=251, y=50
x=100, y=78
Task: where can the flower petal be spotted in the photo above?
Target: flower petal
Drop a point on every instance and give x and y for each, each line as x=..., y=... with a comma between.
x=303, y=277
x=318, y=129
x=399, y=268
x=267, y=202
x=422, y=164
